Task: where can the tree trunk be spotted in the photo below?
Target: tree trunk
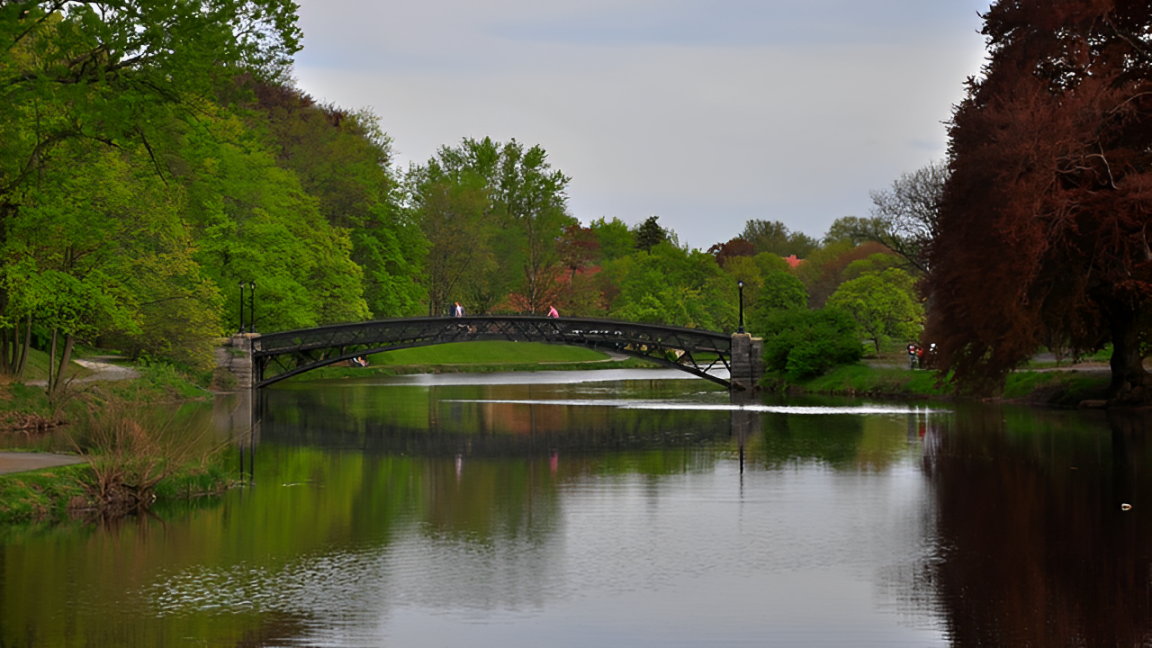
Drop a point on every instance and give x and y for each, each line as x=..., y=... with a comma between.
x=19, y=373
x=1130, y=382
x=65, y=358
x=51, y=364
x=8, y=350
x=7, y=345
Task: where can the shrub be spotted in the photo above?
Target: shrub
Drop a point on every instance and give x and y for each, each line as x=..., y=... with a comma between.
x=131, y=450
x=804, y=344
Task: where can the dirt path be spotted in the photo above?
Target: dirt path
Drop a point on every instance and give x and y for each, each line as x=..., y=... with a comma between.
x=101, y=369
x=14, y=462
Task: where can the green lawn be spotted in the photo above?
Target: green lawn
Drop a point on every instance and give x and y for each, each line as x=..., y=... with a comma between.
x=472, y=357
x=1057, y=388
x=493, y=352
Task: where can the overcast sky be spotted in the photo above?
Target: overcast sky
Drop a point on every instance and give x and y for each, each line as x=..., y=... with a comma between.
x=706, y=114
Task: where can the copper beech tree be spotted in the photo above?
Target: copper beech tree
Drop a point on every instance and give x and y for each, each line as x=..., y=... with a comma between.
x=1044, y=222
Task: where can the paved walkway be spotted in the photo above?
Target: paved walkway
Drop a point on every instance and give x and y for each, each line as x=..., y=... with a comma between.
x=13, y=462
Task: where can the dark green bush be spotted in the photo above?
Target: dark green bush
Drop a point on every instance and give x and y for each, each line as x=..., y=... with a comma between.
x=803, y=344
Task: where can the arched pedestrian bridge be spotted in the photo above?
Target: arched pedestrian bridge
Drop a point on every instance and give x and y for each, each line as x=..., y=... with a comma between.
x=277, y=356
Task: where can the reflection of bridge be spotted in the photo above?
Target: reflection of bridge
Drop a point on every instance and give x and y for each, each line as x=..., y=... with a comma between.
x=277, y=356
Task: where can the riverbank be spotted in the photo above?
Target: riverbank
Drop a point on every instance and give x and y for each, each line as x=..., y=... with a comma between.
x=1049, y=385
x=61, y=487
x=102, y=443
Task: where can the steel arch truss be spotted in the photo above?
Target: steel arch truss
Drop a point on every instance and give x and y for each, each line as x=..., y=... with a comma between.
x=278, y=356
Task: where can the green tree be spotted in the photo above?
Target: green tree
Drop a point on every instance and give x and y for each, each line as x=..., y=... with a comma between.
x=768, y=286
x=344, y=160
x=82, y=84
x=883, y=304
x=524, y=216
x=823, y=271
x=69, y=245
x=778, y=291
x=252, y=221
x=775, y=237
x=874, y=263
x=451, y=214
x=614, y=238
x=649, y=234
x=534, y=198
x=853, y=231
x=672, y=285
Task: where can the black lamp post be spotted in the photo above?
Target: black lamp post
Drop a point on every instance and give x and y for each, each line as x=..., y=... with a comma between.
x=740, y=285
x=252, y=310
x=241, y=306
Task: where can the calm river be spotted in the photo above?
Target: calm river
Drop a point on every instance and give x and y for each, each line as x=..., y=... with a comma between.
x=617, y=508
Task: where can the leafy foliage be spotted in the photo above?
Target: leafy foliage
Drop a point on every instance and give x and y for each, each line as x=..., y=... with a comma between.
x=344, y=161
x=776, y=238
x=92, y=232
x=883, y=304
x=254, y=221
x=512, y=206
x=777, y=291
x=824, y=270
x=672, y=285
x=614, y=238
x=1051, y=177
x=649, y=234
x=804, y=344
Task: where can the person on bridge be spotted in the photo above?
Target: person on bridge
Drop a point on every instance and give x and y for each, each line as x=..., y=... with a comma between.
x=457, y=310
x=553, y=313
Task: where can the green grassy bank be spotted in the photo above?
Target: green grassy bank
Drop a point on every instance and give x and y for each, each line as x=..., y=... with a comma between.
x=150, y=412
x=479, y=357
x=65, y=493
x=1050, y=388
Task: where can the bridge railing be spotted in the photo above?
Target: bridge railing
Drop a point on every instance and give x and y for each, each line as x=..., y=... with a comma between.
x=409, y=331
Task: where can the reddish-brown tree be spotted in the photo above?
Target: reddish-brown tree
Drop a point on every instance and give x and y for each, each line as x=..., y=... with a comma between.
x=577, y=247
x=736, y=247
x=1043, y=224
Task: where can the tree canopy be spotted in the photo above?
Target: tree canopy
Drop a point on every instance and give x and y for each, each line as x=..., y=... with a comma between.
x=92, y=98
x=775, y=237
x=154, y=156
x=509, y=208
x=1043, y=223
x=904, y=217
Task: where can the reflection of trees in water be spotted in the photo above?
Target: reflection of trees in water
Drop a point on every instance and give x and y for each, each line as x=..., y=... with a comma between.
x=832, y=439
x=429, y=427
x=1033, y=547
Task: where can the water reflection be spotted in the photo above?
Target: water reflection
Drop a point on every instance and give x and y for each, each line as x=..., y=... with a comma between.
x=641, y=513
x=1033, y=547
